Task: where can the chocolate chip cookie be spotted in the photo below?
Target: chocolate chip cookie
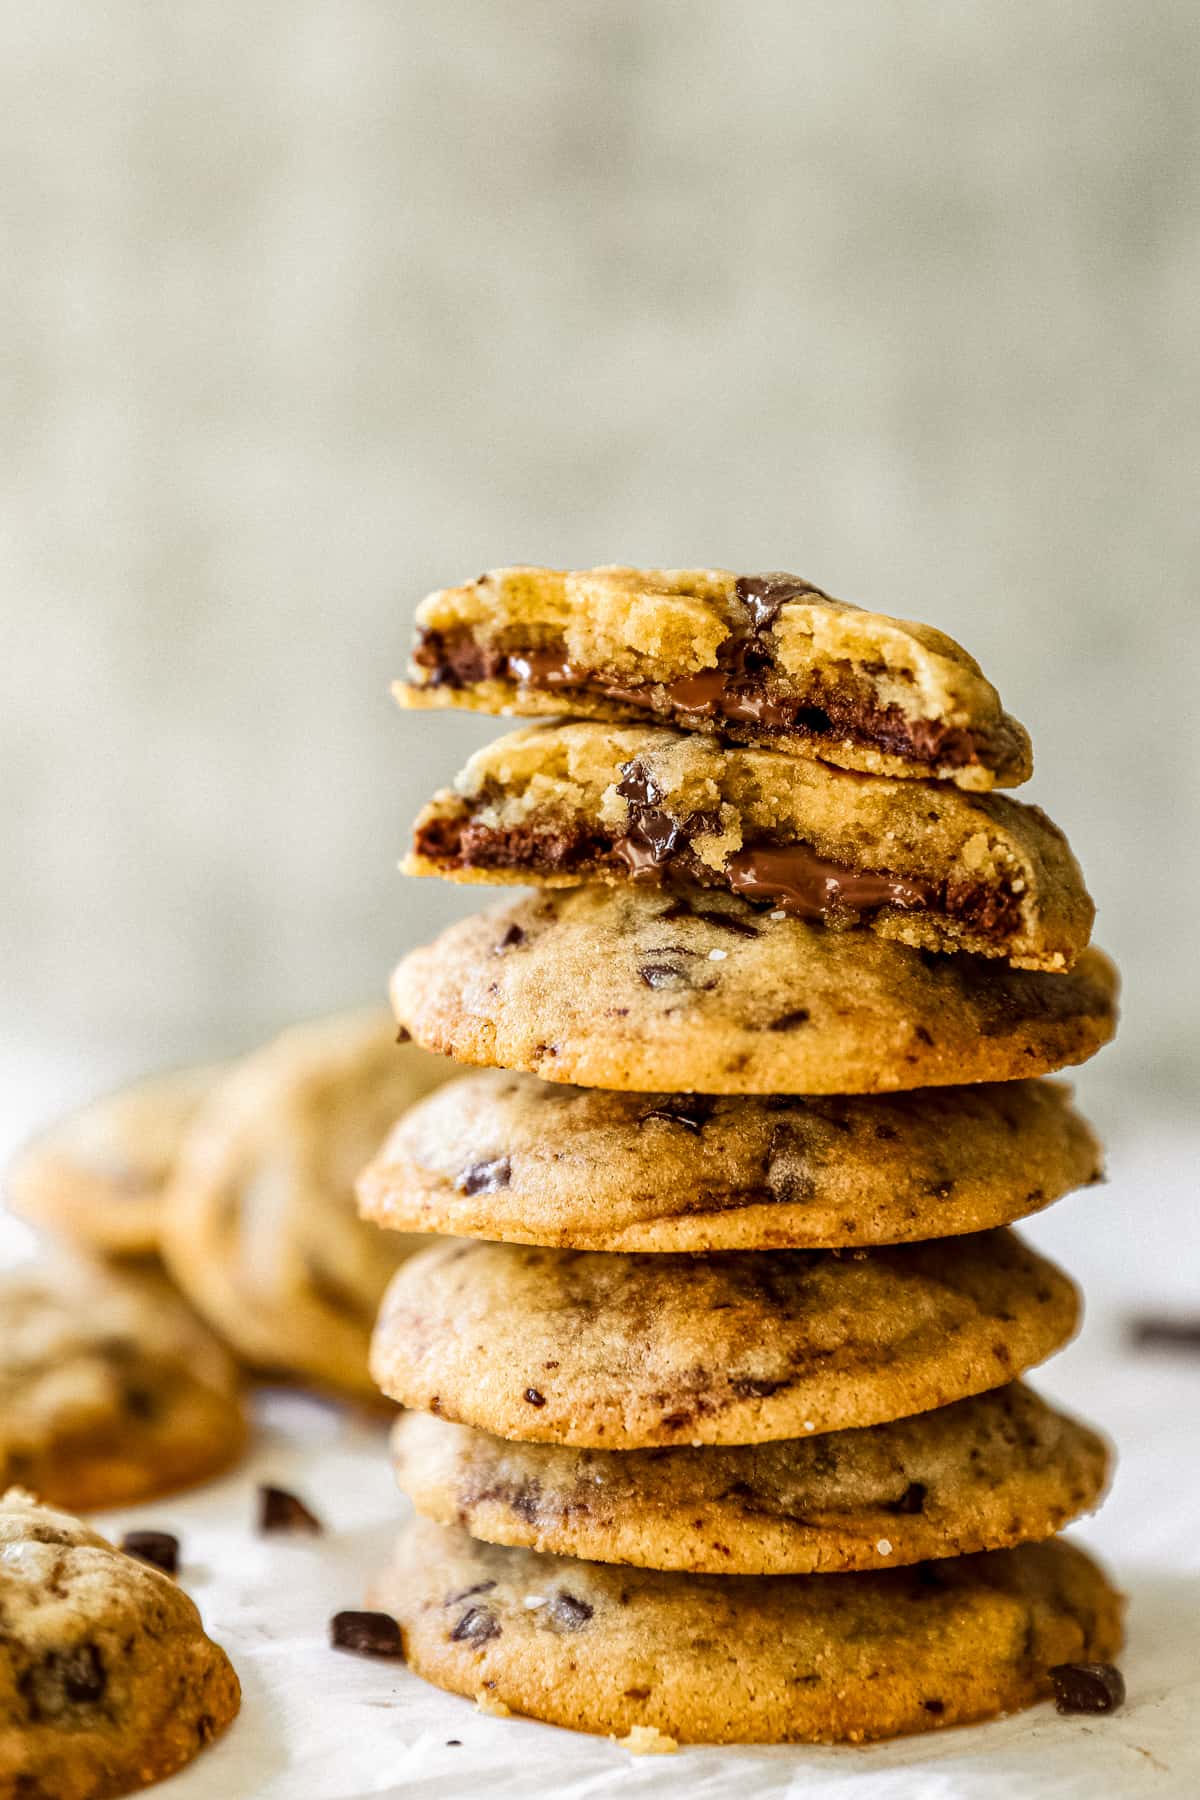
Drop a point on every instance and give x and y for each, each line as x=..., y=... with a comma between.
x=923, y=863
x=261, y=1230
x=108, y=1681
x=625, y=988
x=96, y=1178
x=744, y=1658
x=111, y=1391
x=759, y=659
x=506, y=1156
x=624, y=1352
x=981, y=1474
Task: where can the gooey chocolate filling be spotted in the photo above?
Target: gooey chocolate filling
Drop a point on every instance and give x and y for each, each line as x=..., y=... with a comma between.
x=658, y=846
x=738, y=695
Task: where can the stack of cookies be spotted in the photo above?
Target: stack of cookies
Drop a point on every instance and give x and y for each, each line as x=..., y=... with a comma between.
x=717, y=1429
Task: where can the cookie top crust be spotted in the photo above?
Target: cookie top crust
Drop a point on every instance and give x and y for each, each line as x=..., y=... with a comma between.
x=629, y=1351
x=96, y=1177
x=924, y=863
x=981, y=1474
x=756, y=658
x=111, y=1390
x=261, y=1230
x=742, y=1658
x=108, y=1681
x=507, y=1156
x=635, y=989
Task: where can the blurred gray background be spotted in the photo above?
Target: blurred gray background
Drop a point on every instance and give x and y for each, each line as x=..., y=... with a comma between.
x=310, y=305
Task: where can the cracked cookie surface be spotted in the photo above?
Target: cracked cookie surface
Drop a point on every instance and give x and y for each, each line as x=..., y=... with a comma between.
x=756, y=658
x=741, y=1658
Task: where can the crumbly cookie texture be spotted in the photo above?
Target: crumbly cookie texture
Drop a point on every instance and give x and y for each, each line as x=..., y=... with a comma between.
x=629, y=1352
x=756, y=658
x=111, y=1391
x=260, y=1225
x=507, y=1156
x=107, y=1679
x=923, y=863
x=635, y=989
x=743, y=1658
x=96, y=1178
x=981, y=1474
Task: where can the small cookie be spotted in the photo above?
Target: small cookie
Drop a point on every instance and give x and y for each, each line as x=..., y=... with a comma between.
x=260, y=1227
x=623, y=1352
x=506, y=1156
x=761, y=659
x=97, y=1177
x=107, y=1678
x=726, y=1659
x=925, y=864
x=625, y=988
x=981, y=1474
x=111, y=1390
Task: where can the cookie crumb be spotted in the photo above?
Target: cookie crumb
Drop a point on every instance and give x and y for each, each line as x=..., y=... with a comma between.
x=488, y=1703
x=648, y=1740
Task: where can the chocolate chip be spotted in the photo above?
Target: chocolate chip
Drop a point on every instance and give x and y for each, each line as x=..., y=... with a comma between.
x=567, y=1613
x=692, y=1111
x=790, y=1020
x=726, y=922
x=158, y=1548
x=366, y=1634
x=664, y=974
x=1152, y=1331
x=1087, y=1687
x=485, y=1177
x=751, y=1387
x=454, y=1743
x=481, y=1587
x=638, y=785
x=534, y=1398
x=403, y=1035
x=912, y=1500
x=279, y=1511
x=512, y=937
x=61, y=1679
x=141, y=1403
x=763, y=595
x=477, y=1625
x=936, y=1707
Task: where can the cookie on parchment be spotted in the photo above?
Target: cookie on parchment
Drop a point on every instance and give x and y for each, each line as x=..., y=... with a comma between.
x=743, y=1658
x=626, y=1352
x=761, y=659
x=635, y=989
x=111, y=1390
x=260, y=1225
x=108, y=1681
x=96, y=1178
x=999, y=1469
x=922, y=863
x=506, y=1156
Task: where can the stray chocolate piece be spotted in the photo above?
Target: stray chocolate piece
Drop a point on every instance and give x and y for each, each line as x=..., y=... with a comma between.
x=1087, y=1687
x=1152, y=1331
x=280, y=1511
x=366, y=1634
x=156, y=1547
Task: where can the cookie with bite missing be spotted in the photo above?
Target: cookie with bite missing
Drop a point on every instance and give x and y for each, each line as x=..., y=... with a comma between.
x=759, y=659
x=96, y=1178
x=924, y=863
x=634, y=989
x=724, y=1659
x=506, y=1156
x=985, y=1473
x=625, y=1352
x=111, y=1390
x=108, y=1681
x=260, y=1228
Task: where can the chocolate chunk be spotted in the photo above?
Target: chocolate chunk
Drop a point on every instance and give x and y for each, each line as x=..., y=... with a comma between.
x=62, y=1679
x=485, y=1177
x=665, y=973
x=512, y=937
x=795, y=878
x=567, y=1613
x=156, y=1547
x=481, y=1587
x=1087, y=1687
x=637, y=785
x=366, y=1634
x=280, y=1511
x=936, y=1707
x=477, y=1625
x=790, y=1020
x=692, y=1111
x=912, y=1500
x=534, y=1398
x=1153, y=1331
x=763, y=595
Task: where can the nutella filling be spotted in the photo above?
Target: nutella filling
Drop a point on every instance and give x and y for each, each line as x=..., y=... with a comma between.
x=801, y=882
